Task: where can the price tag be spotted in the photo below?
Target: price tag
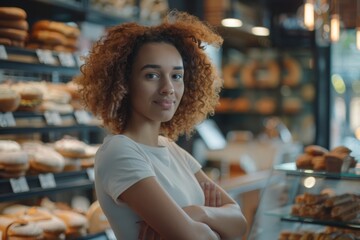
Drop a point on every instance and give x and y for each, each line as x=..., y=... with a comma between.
x=47, y=180
x=3, y=53
x=7, y=120
x=45, y=56
x=19, y=184
x=67, y=59
x=110, y=234
x=53, y=118
x=91, y=174
x=79, y=60
x=82, y=117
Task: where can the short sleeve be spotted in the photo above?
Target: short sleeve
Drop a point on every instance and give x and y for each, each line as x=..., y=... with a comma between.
x=119, y=164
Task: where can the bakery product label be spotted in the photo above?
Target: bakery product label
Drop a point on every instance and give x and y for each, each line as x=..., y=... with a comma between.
x=3, y=53
x=19, y=185
x=47, y=180
x=7, y=120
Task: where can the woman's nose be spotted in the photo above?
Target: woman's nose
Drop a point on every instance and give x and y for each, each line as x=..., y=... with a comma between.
x=167, y=87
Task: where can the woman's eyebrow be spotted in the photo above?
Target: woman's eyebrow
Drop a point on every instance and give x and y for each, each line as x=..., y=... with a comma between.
x=150, y=66
x=158, y=66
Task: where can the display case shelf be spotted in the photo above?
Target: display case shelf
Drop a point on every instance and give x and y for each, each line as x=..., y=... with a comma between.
x=44, y=184
x=290, y=169
x=284, y=214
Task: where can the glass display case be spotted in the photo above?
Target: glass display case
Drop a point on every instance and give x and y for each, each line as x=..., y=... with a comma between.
x=298, y=202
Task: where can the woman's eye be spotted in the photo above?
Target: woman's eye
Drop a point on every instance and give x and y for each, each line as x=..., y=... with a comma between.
x=177, y=76
x=152, y=75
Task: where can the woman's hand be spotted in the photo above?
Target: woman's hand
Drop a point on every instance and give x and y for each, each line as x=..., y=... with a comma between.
x=212, y=195
x=147, y=233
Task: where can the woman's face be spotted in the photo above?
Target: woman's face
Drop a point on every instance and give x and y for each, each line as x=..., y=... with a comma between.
x=157, y=83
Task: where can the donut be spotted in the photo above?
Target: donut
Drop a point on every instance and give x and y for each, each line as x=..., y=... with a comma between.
x=12, y=13
x=13, y=34
x=9, y=99
x=15, y=24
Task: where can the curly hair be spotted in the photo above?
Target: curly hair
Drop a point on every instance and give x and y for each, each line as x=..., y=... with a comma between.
x=104, y=78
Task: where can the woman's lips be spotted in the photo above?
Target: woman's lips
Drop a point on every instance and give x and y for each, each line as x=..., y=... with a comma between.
x=165, y=104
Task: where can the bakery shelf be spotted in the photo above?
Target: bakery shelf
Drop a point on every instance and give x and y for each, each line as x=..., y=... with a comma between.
x=284, y=214
x=290, y=169
x=106, y=235
x=108, y=19
x=74, y=5
x=29, y=60
x=63, y=181
x=46, y=129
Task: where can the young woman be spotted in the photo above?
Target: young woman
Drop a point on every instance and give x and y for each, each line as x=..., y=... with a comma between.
x=149, y=84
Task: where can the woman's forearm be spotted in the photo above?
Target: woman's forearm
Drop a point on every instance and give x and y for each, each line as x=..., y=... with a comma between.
x=227, y=220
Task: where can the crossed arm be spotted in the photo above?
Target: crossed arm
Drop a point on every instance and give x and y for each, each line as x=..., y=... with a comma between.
x=220, y=218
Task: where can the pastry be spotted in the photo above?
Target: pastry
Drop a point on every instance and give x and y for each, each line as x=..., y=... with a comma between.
x=304, y=161
x=315, y=150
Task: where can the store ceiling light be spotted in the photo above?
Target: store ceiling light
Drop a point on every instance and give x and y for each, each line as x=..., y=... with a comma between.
x=260, y=31
x=335, y=23
x=231, y=22
x=358, y=24
x=309, y=18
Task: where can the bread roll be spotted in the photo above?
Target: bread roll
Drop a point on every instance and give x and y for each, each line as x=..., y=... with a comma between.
x=71, y=148
x=97, y=219
x=9, y=99
x=13, y=34
x=15, y=24
x=12, y=13
x=60, y=27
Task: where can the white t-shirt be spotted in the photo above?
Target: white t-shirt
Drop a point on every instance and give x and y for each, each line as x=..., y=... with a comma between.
x=121, y=162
